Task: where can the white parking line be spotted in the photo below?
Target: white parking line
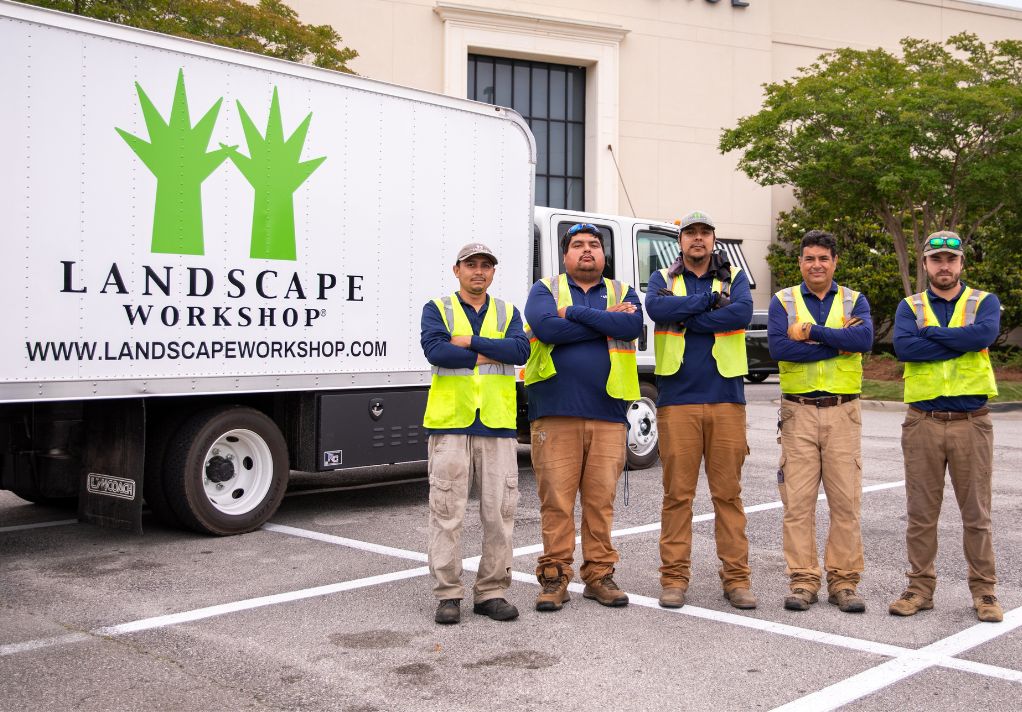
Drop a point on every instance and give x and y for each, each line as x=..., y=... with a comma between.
x=37, y=525
x=211, y=611
x=350, y=543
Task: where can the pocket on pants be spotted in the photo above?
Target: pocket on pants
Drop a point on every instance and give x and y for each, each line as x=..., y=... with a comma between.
x=780, y=479
x=510, y=501
x=440, y=496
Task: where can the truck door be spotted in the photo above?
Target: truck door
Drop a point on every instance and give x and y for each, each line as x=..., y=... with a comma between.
x=655, y=247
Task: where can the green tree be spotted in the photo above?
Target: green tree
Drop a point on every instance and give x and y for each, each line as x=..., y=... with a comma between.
x=176, y=155
x=269, y=27
x=275, y=171
x=925, y=141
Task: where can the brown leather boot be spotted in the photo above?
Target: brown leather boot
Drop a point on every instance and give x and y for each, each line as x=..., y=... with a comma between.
x=555, y=589
x=988, y=609
x=741, y=598
x=605, y=592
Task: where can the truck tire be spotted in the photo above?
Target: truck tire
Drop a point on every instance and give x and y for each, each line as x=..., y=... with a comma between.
x=755, y=377
x=642, y=447
x=225, y=471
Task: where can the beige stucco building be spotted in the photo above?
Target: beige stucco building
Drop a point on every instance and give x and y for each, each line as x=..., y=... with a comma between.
x=662, y=78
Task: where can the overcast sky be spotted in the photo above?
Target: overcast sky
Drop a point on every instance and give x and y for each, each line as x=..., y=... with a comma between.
x=1007, y=3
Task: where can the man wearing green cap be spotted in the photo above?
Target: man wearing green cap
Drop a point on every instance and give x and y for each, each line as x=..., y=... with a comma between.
x=943, y=336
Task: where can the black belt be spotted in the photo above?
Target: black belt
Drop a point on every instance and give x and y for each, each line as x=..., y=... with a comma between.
x=949, y=415
x=822, y=401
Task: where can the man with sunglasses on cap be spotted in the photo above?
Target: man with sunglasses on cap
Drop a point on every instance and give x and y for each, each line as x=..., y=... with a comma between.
x=818, y=331
x=580, y=378
x=472, y=341
x=701, y=306
x=943, y=336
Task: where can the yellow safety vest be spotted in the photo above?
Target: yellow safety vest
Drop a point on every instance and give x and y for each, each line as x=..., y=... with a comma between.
x=841, y=374
x=623, y=381
x=968, y=375
x=669, y=339
x=455, y=394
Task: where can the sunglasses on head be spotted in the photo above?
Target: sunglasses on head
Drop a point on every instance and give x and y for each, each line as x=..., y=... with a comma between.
x=953, y=242
x=582, y=227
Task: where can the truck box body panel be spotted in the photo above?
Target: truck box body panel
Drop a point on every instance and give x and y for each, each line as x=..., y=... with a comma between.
x=151, y=253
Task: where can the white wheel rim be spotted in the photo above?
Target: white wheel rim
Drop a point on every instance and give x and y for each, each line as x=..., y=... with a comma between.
x=252, y=463
x=642, y=432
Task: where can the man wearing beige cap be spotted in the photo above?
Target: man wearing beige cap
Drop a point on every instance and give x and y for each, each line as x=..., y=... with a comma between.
x=473, y=342
x=943, y=336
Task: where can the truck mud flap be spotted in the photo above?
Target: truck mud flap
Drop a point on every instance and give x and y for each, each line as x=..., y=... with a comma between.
x=113, y=464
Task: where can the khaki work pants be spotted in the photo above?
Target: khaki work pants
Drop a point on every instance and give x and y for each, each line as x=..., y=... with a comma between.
x=572, y=457
x=690, y=434
x=822, y=445
x=965, y=448
x=455, y=462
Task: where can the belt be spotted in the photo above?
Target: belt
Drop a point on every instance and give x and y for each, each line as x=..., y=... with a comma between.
x=949, y=415
x=822, y=401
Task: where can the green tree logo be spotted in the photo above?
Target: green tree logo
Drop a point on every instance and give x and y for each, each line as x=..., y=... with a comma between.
x=176, y=155
x=275, y=171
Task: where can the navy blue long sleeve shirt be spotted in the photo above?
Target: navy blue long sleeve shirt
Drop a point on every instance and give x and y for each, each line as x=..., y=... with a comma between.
x=830, y=342
x=579, y=389
x=698, y=380
x=439, y=351
x=939, y=343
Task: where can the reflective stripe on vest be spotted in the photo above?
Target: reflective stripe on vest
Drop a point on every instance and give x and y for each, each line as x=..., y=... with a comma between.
x=669, y=338
x=623, y=380
x=455, y=394
x=841, y=374
x=970, y=374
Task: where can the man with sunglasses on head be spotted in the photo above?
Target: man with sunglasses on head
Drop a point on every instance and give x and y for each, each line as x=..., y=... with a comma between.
x=818, y=331
x=472, y=341
x=580, y=378
x=701, y=306
x=943, y=336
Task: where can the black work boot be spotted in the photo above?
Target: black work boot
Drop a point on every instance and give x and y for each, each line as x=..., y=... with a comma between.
x=449, y=611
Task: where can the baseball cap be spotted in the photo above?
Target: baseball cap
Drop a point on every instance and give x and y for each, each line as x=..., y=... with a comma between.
x=695, y=217
x=475, y=248
x=943, y=241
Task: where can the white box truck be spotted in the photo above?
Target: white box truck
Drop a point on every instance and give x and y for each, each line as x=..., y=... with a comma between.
x=214, y=265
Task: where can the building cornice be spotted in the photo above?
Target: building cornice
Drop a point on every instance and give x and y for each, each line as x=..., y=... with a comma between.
x=525, y=21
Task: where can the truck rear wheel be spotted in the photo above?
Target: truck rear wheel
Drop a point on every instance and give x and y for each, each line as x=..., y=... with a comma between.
x=642, y=431
x=225, y=471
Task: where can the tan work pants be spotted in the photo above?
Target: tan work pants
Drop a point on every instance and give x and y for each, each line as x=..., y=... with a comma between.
x=966, y=449
x=455, y=461
x=689, y=434
x=822, y=445
x=575, y=456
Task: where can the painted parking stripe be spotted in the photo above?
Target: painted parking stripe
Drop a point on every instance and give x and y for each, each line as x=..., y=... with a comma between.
x=877, y=678
x=38, y=525
x=212, y=611
x=350, y=543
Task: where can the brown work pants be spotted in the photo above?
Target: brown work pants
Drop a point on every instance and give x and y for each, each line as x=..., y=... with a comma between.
x=689, y=434
x=454, y=462
x=965, y=448
x=821, y=445
x=572, y=457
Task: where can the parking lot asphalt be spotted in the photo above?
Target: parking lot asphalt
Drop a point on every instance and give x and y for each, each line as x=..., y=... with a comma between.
x=329, y=607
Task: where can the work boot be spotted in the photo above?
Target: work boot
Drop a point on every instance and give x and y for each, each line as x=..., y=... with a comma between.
x=496, y=608
x=672, y=597
x=449, y=611
x=988, y=609
x=800, y=599
x=605, y=592
x=555, y=589
x=847, y=601
x=909, y=604
x=741, y=598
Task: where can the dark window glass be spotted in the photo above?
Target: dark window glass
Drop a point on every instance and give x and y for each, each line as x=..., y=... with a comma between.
x=551, y=98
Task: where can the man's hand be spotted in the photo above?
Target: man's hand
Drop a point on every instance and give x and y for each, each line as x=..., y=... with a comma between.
x=626, y=307
x=854, y=321
x=665, y=292
x=562, y=312
x=724, y=300
x=480, y=360
x=799, y=331
x=464, y=342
